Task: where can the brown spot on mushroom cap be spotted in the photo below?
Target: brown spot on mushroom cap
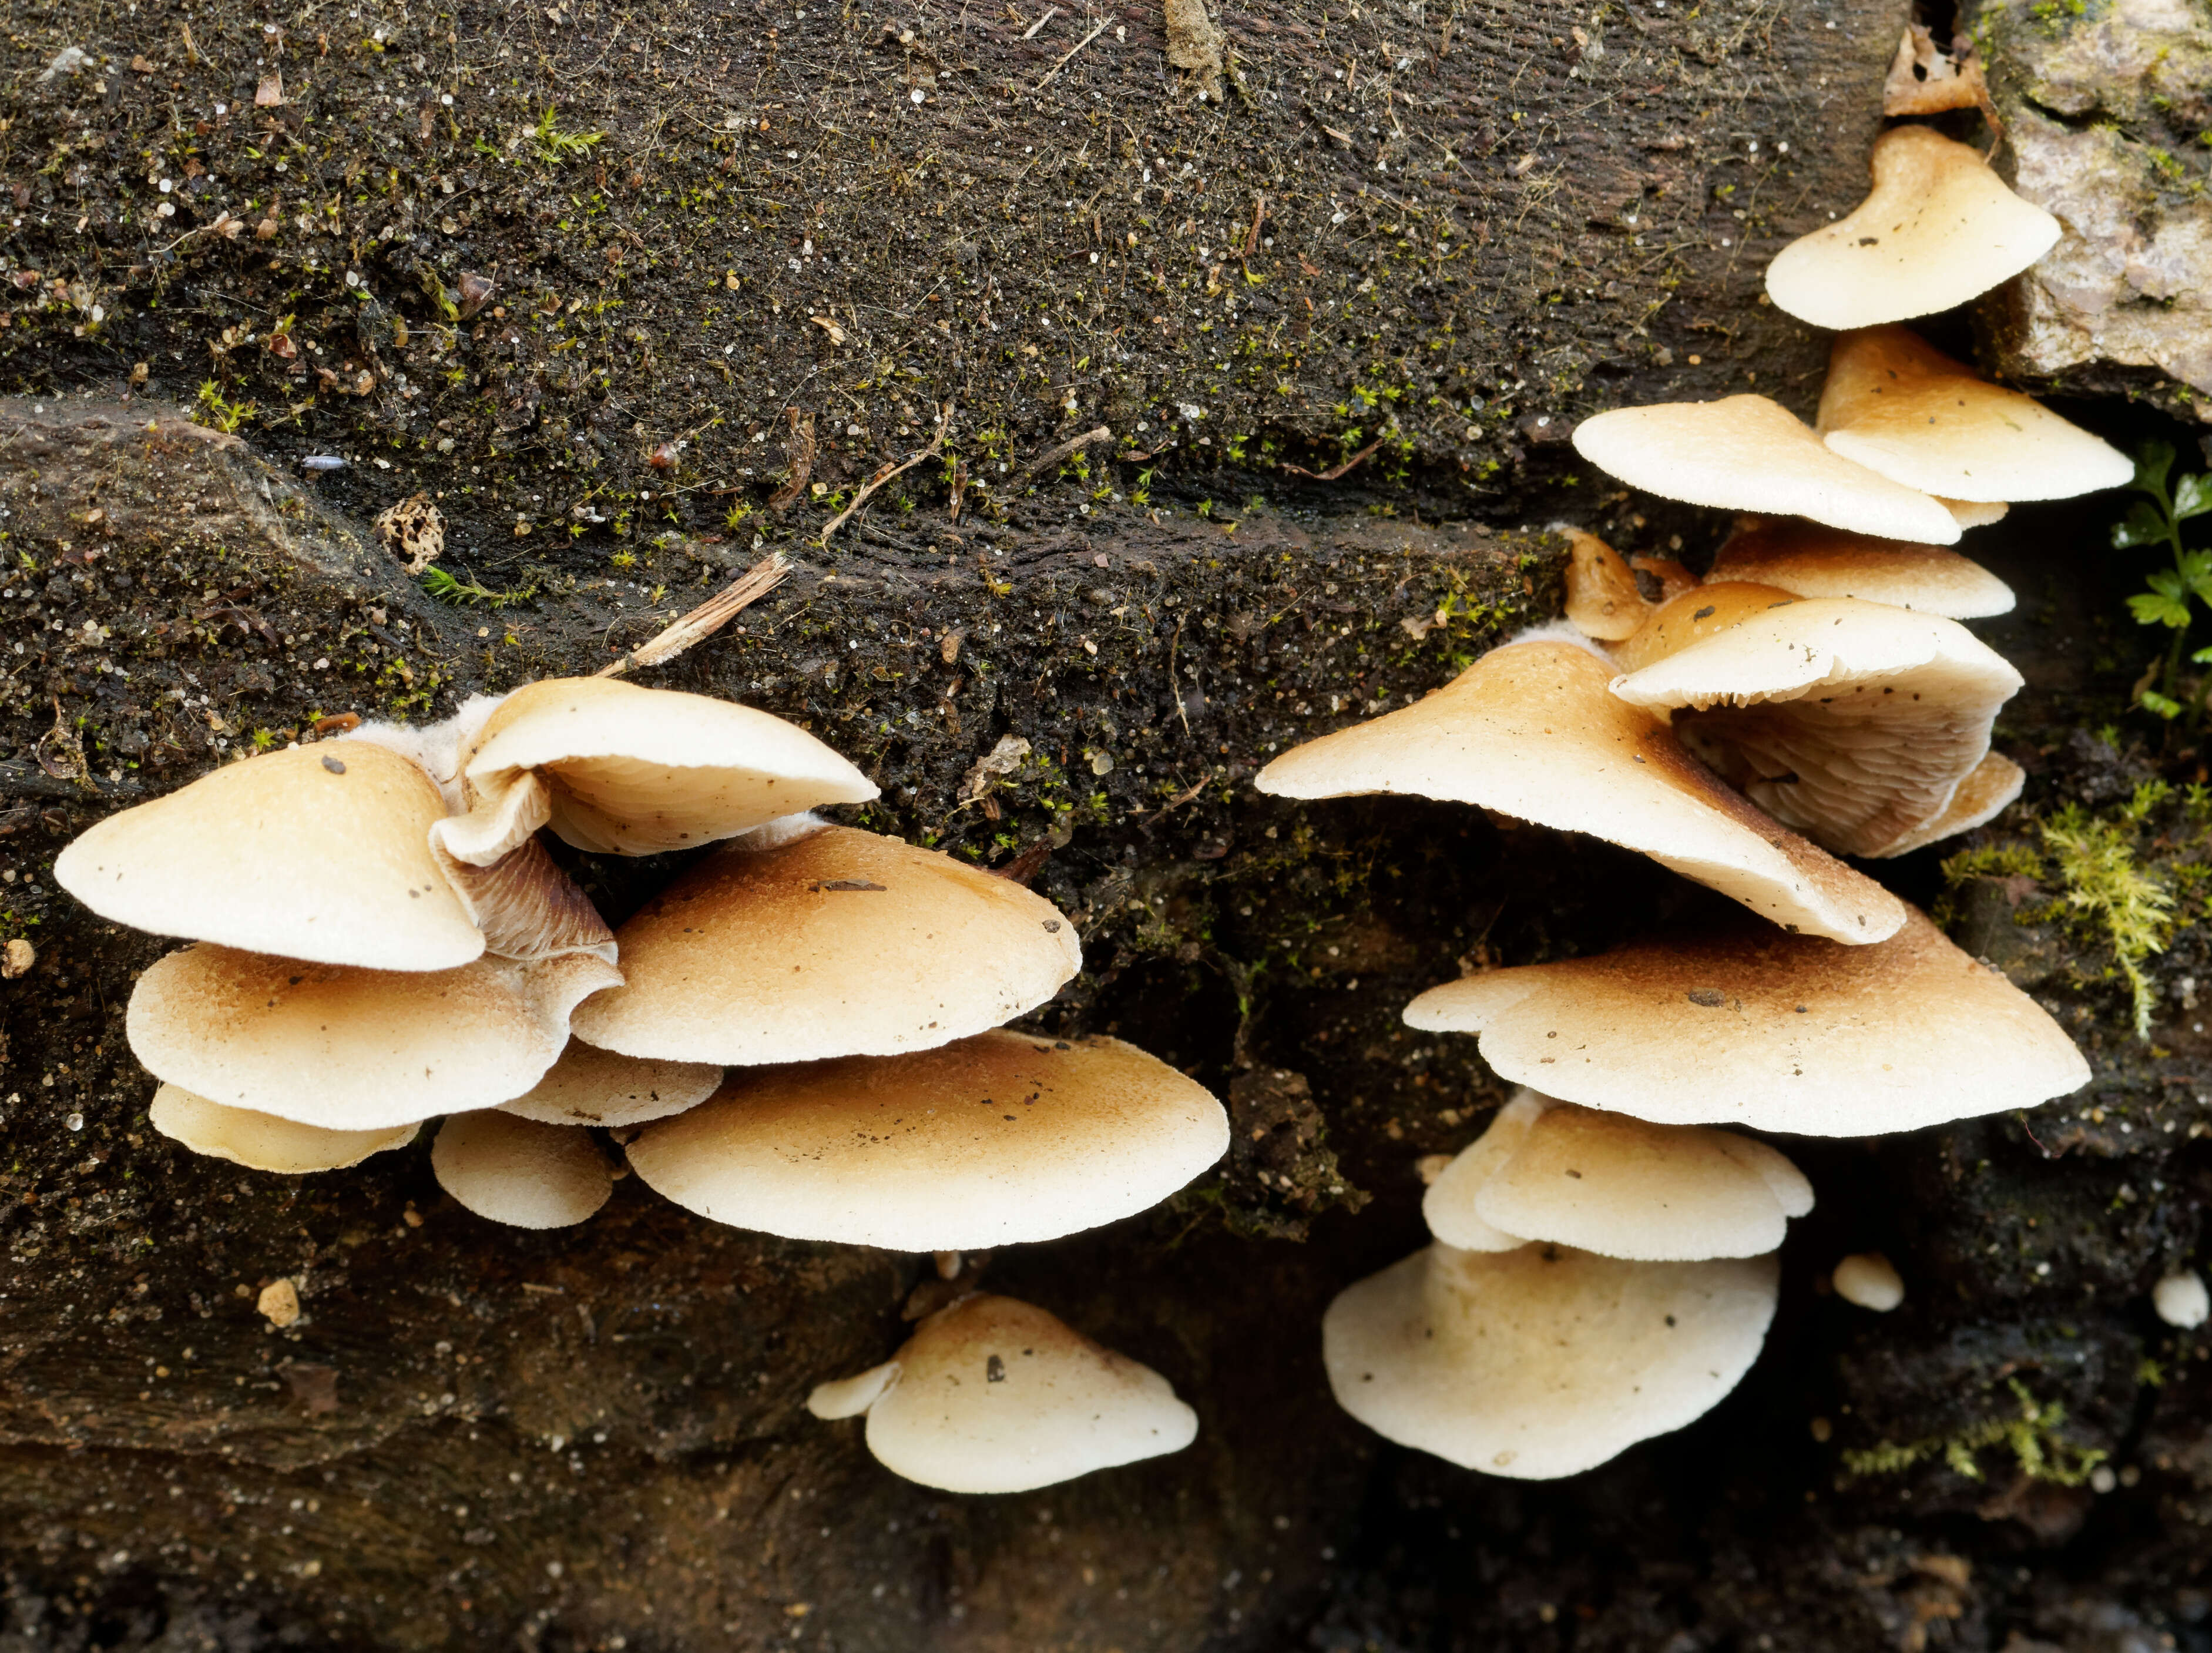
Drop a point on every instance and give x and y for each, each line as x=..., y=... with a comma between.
x=839, y=943
x=1808, y=559
x=520, y=1172
x=1603, y=600
x=263, y=1142
x=1814, y=1038
x=591, y=1086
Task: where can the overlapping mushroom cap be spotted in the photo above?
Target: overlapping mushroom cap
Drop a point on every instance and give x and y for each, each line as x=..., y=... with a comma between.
x=591, y=1086
x=521, y=1171
x=1807, y=559
x=1603, y=600
x=1531, y=730
x=1001, y=1138
x=263, y=1142
x=837, y=943
x=1938, y=227
x=1741, y=1024
x=994, y=1395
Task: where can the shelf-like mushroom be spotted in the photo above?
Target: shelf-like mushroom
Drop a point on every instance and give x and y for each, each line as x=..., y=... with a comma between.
x=1603, y=600
x=264, y=1142
x=591, y=1086
x=1808, y=559
x=521, y=1172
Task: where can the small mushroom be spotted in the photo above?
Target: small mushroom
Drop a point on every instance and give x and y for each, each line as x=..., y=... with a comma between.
x=263, y=1142
x=1975, y=513
x=591, y=1086
x=1738, y=1024
x=1001, y=1138
x=1807, y=559
x=1747, y=453
x=993, y=1395
x=1939, y=228
x=317, y=853
x=2181, y=1300
x=837, y=943
x=1603, y=600
x=520, y=1172
x=1869, y=1279
x=1544, y=1361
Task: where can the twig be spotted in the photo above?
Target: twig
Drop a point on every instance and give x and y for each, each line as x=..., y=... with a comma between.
x=1051, y=73
x=1336, y=470
x=709, y=617
x=802, y=462
x=1259, y=213
x=887, y=472
x=1053, y=456
x=1050, y=12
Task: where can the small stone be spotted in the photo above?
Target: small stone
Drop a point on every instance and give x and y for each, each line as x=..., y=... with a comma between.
x=1869, y=1279
x=17, y=958
x=279, y=1303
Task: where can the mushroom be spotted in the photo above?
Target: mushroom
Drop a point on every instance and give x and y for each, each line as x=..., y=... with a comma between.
x=1544, y=1361
x=1000, y=1138
x=1616, y=1186
x=1738, y=1023
x=991, y=1394
x=838, y=943
x=1896, y=405
x=317, y=853
x=263, y=1142
x=1939, y=228
x=1530, y=730
x=1747, y=453
x=1853, y=723
x=1975, y=513
x=1603, y=600
x=591, y=1086
x=2180, y=1299
x=355, y=1050
x=1808, y=559
x=520, y=1172
x=1869, y=1279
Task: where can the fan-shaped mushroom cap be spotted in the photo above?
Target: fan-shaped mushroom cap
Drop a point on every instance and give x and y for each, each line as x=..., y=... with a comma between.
x=1603, y=600
x=1896, y=405
x=1738, y=1025
x=838, y=943
x=520, y=1172
x=1617, y=1186
x=1529, y=729
x=1853, y=723
x=1939, y=228
x=318, y=853
x=1747, y=453
x=998, y=1139
x=591, y=1086
x=1807, y=559
x=636, y=771
x=1975, y=513
x=1693, y=615
x=993, y=1395
x=354, y=1049
x=263, y=1142
x=1545, y=1361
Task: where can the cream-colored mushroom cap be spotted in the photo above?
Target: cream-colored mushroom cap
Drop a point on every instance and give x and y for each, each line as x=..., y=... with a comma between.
x=993, y=1395
x=318, y=853
x=2180, y=1299
x=354, y=1049
x=998, y=1139
x=1981, y=797
x=1545, y=1361
x=521, y=1171
x=1808, y=559
x=1976, y=513
x=1869, y=1281
x=1853, y=723
x=839, y=943
x=1939, y=228
x=1603, y=600
x=1747, y=453
x=1619, y=1187
x=1739, y=1025
x=1530, y=730
x=591, y=1086
x=1896, y=405
x=263, y=1142
x=636, y=771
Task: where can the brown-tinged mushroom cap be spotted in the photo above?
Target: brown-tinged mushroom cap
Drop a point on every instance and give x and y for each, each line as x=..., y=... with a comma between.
x=1545, y=1361
x=841, y=943
x=996, y=1140
x=263, y=1142
x=1530, y=730
x=1896, y=405
x=591, y=1086
x=318, y=853
x=354, y=1049
x=1939, y=228
x=1694, y=614
x=1448, y=1207
x=1747, y=453
x=1853, y=723
x=1603, y=600
x=1808, y=559
x=994, y=1395
x=521, y=1171
x=1737, y=1024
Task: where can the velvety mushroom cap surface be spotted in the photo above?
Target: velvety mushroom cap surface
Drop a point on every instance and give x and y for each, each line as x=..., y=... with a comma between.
x=993, y=1395
x=841, y=943
x=1545, y=1361
x=1739, y=1025
x=1448, y=1207
x=263, y=1142
x=1531, y=730
x=521, y=1172
x=1747, y=453
x=1939, y=228
x=355, y=1050
x=1899, y=406
x=318, y=853
x=1808, y=559
x=1603, y=600
x=996, y=1140
x=591, y=1086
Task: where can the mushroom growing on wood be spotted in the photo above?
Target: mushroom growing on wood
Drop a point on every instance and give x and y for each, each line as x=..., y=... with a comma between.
x=1603, y=600
x=993, y=1395
x=264, y=1142
x=521, y=1171
x=591, y=1086
x=1807, y=559
x=1869, y=1281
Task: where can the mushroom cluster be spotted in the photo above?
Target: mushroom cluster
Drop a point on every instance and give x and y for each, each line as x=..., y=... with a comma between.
x=1603, y=1265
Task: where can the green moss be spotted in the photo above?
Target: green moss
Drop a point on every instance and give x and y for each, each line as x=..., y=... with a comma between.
x=2109, y=889
x=2031, y=1437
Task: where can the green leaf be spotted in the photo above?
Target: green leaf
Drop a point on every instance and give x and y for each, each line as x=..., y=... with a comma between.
x=2154, y=701
x=2203, y=657
x=2160, y=607
x=2144, y=525
x=2197, y=572
x=2153, y=461
x=2192, y=497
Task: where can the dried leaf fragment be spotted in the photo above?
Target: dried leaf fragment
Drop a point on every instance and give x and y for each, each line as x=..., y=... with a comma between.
x=1924, y=80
